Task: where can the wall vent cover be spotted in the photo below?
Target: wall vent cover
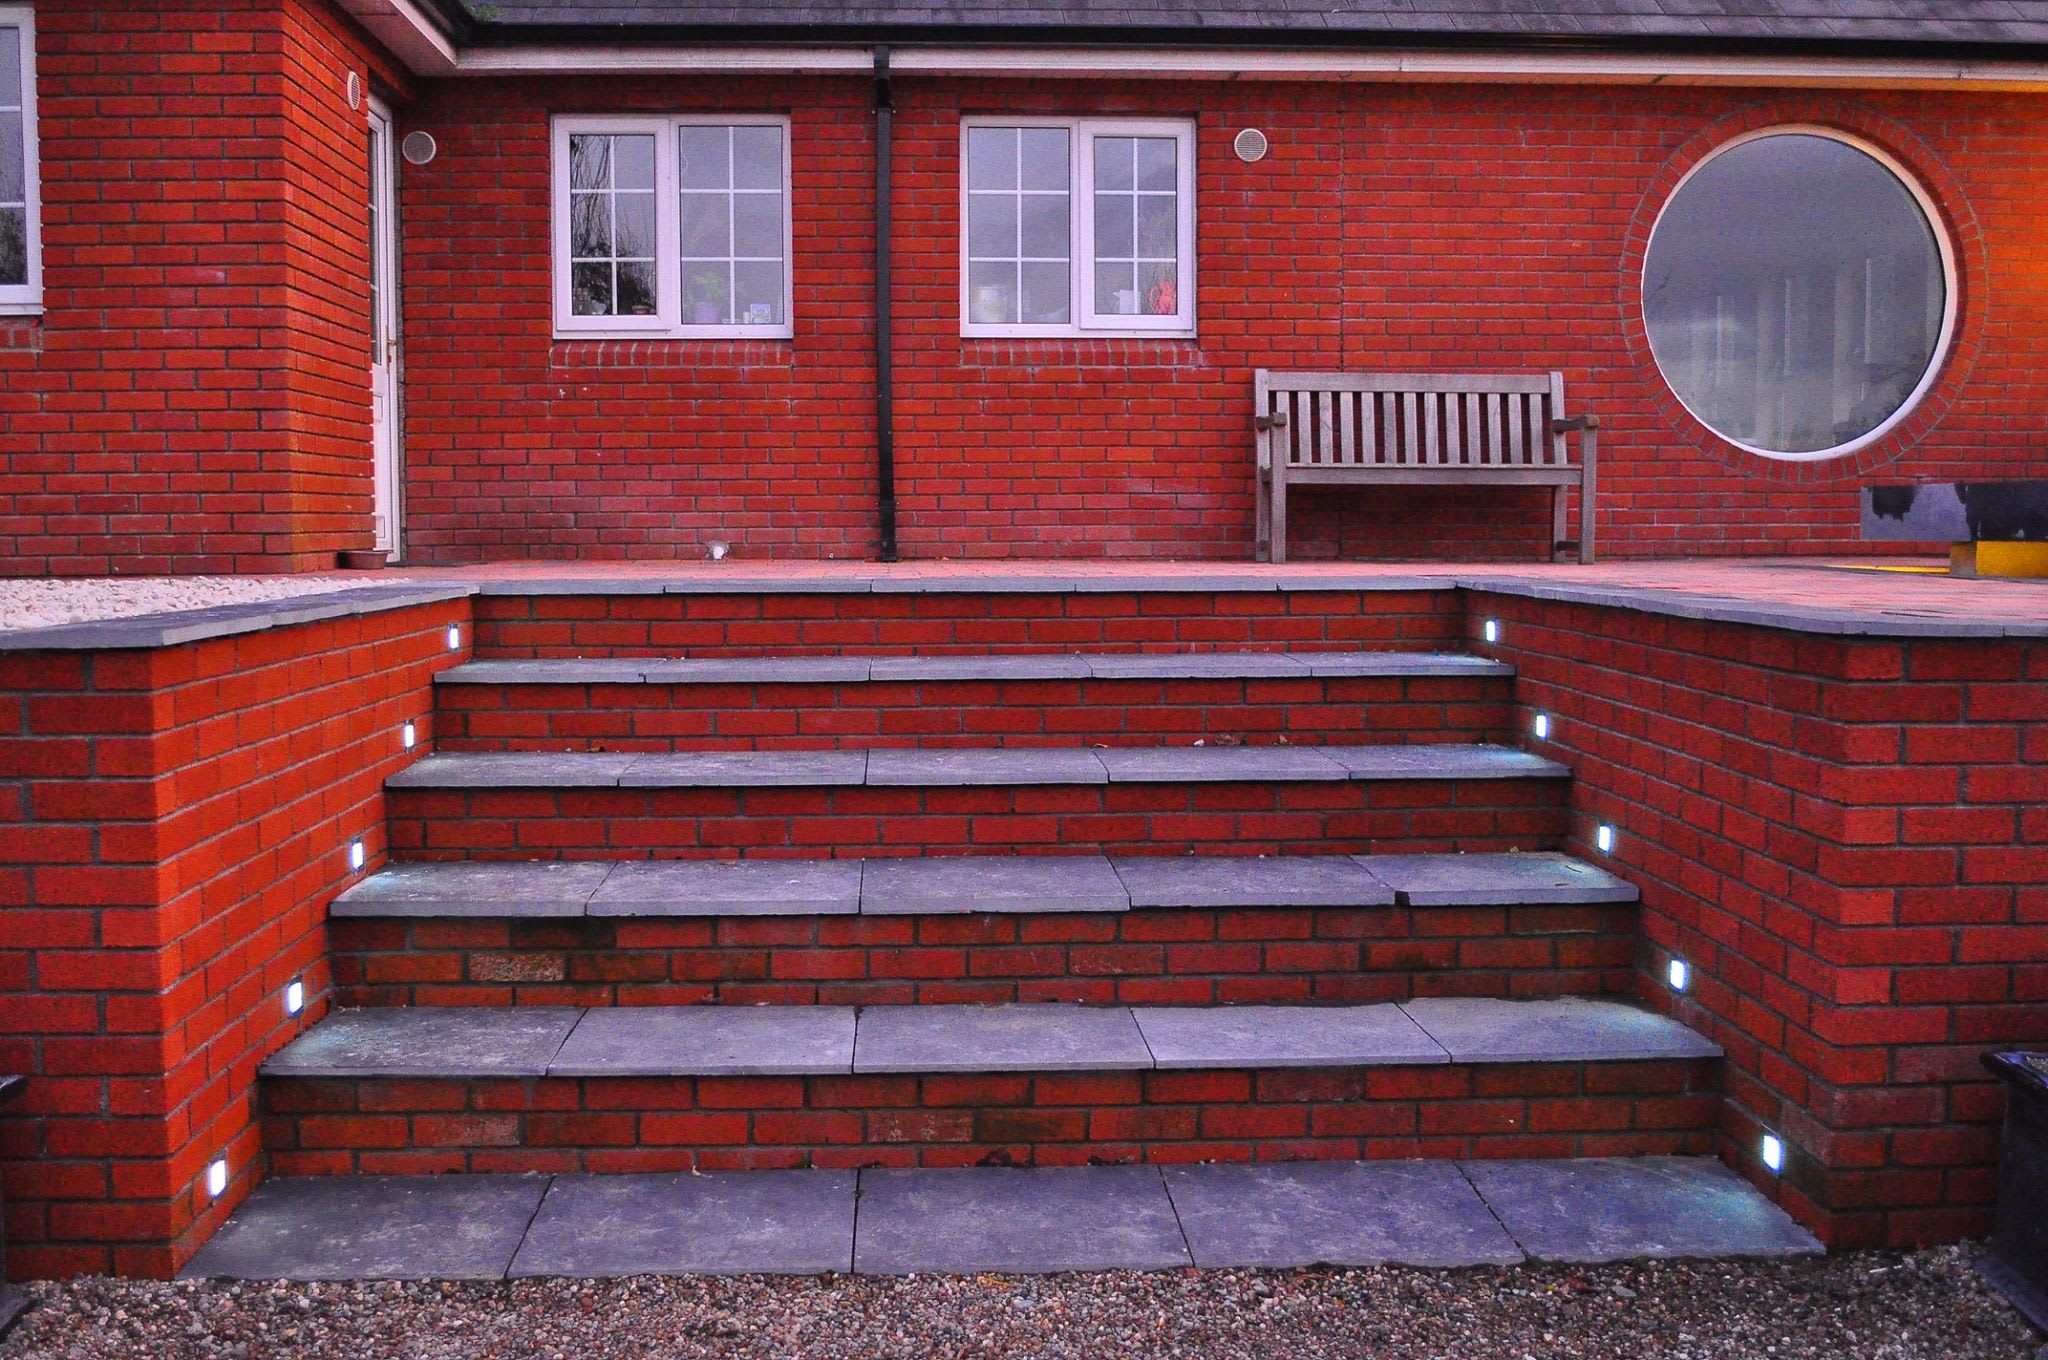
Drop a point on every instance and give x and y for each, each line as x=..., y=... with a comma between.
x=1250, y=145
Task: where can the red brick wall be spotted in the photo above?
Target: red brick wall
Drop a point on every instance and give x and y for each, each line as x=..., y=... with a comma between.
x=195, y=396
x=1845, y=839
x=175, y=821
x=1408, y=227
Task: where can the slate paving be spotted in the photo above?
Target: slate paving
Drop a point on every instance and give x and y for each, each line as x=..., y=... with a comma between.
x=996, y=1219
x=1023, y=1038
x=730, y=887
x=927, y=767
x=745, y=769
x=708, y=1041
x=1250, y=881
x=1572, y=1029
x=428, y=1041
x=1219, y=764
x=1535, y=878
x=952, y=885
x=1284, y=1036
x=540, y=888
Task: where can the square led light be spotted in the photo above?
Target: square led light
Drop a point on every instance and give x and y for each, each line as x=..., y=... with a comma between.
x=355, y=855
x=408, y=736
x=1542, y=727
x=294, y=997
x=1604, y=838
x=454, y=636
x=1679, y=974
x=1492, y=630
x=217, y=1177
x=1773, y=1152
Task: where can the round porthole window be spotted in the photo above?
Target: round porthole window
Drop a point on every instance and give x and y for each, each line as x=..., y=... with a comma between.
x=1799, y=293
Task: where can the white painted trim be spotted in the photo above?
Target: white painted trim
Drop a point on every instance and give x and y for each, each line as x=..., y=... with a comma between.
x=26, y=298
x=1388, y=64
x=1944, y=245
x=407, y=33
x=1081, y=254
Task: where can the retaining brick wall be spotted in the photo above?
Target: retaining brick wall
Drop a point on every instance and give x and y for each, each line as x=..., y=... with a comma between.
x=1847, y=839
x=175, y=822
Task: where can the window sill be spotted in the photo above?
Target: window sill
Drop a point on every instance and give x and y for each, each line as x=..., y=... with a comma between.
x=660, y=352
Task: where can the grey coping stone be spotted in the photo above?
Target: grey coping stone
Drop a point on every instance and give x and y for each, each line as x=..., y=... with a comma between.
x=1855, y=622
x=1625, y=1208
x=730, y=887
x=428, y=1041
x=1443, y=761
x=1049, y=584
x=744, y=1222
x=1571, y=1029
x=1284, y=1036
x=760, y=670
x=1031, y=1221
x=175, y=627
x=990, y=883
x=708, y=1041
x=1278, y=1216
x=985, y=765
x=571, y=585
x=600, y=671
x=538, y=888
x=1196, y=666
x=1013, y=1038
x=1497, y=880
x=374, y=1228
x=745, y=769
x=1249, y=881
x=1218, y=764
x=1003, y=668
x=512, y=770
x=1430, y=664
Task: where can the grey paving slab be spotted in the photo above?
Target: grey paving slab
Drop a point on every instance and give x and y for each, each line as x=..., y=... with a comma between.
x=599, y=671
x=1571, y=1029
x=1626, y=1208
x=373, y=1228
x=174, y=627
x=1218, y=764
x=992, y=766
x=1028, y=1221
x=1195, y=666
x=745, y=1222
x=730, y=887
x=989, y=883
x=708, y=1041
x=428, y=1041
x=1279, y=1216
x=972, y=668
x=512, y=770
x=1050, y=584
x=1249, y=881
x=745, y=769
x=1284, y=1036
x=1492, y=880
x=1018, y=1038
x=1443, y=762
x=763, y=670
x=527, y=889
x=1432, y=664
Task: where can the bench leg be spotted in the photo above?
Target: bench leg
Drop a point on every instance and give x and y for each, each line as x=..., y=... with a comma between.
x=1262, y=516
x=1589, y=480
x=1557, y=522
x=1277, y=545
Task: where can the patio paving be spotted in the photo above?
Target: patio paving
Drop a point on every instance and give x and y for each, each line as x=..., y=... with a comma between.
x=996, y=1219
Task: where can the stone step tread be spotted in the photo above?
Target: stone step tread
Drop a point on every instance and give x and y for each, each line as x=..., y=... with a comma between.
x=1440, y=1214
x=705, y=1041
x=837, y=670
x=972, y=767
x=960, y=884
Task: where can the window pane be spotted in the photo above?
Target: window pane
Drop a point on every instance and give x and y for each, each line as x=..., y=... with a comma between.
x=635, y=226
x=704, y=159
x=1047, y=223
x=757, y=158
x=12, y=150
x=10, y=68
x=1155, y=164
x=590, y=162
x=1113, y=162
x=633, y=163
x=1158, y=289
x=590, y=289
x=1156, y=227
x=1113, y=238
x=707, y=294
x=757, y=225
x=13, y=245
x=1116, y=289
x=590, y=226
x=1794, y=293
x=636, y=289
x=1048, y=296
x=757, y=294
x=706, y=225
x=1044, y=155
x=992, y=226
x=991, y=158
x=992, y=293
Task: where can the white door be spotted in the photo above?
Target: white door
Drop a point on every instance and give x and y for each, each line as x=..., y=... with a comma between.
x=384, y=327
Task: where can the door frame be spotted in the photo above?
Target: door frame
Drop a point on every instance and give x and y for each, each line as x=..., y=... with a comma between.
x=387, y=465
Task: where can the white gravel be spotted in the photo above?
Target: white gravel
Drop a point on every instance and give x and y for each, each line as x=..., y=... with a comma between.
x=27, y=603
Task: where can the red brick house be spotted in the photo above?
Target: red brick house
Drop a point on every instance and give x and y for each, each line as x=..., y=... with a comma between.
x=242, y=331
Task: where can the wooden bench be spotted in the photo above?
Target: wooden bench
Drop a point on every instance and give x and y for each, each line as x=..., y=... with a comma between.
x=1419, y=429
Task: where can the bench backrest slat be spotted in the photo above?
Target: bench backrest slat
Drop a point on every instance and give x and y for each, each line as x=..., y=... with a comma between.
x=1416, y=420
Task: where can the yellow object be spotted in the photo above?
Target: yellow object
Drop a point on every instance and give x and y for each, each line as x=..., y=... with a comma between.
x=2027, y=560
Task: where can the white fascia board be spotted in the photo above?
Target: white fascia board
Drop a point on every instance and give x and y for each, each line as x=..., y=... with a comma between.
x=406, y=33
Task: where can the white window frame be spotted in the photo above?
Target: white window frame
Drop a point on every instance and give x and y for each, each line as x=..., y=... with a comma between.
x=667, y=320
x=1082, y=133
x=26, y=298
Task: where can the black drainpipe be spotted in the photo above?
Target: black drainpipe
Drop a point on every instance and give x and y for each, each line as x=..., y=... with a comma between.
x=885, y=375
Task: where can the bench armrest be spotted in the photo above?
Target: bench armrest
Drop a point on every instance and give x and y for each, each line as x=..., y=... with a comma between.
x=1575, y=423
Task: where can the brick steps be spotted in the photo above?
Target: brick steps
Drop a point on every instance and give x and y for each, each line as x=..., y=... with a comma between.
x=796, y=703
x=551, y=1089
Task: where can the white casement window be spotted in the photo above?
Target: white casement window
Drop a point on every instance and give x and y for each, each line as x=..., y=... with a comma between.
x=1077, y=227
x=672, y=227
x=21, y=265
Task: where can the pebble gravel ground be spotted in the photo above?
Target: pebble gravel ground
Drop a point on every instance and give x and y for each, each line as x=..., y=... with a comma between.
x=46, y=603
x=1870, y=1306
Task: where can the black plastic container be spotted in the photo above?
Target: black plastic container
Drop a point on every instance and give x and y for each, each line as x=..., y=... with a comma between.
x=12, y=1300
x=2018, y=1260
